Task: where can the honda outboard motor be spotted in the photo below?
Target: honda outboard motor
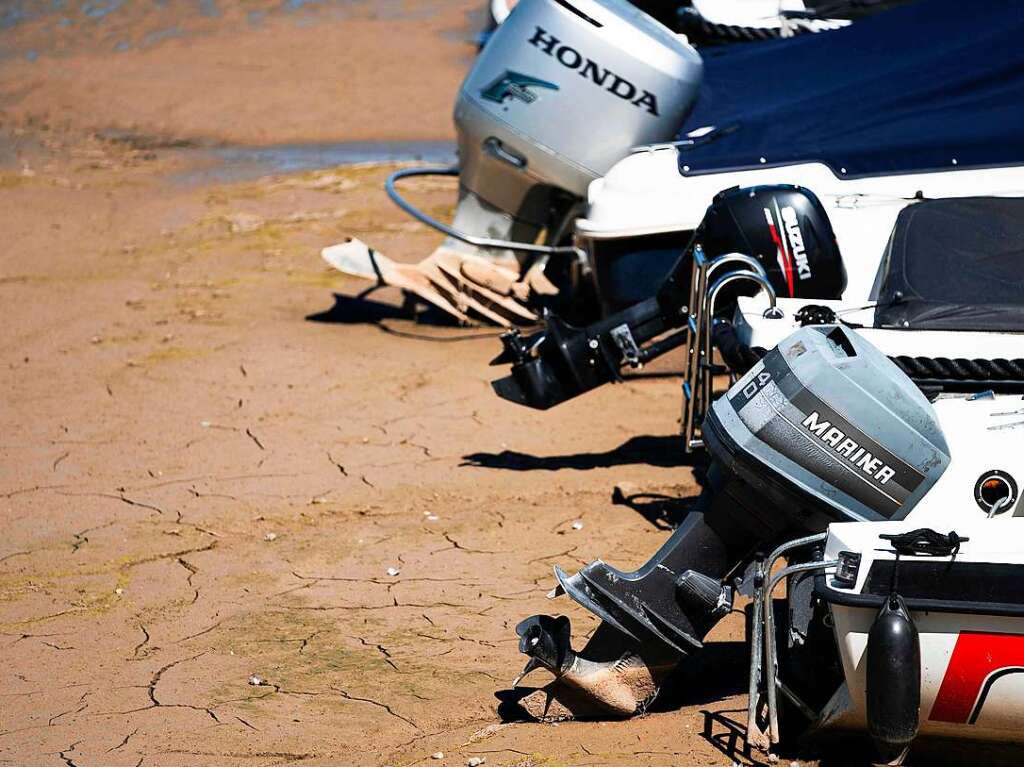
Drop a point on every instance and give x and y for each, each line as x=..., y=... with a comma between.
x=561, y=91
x=783, y=230
x=824, y=429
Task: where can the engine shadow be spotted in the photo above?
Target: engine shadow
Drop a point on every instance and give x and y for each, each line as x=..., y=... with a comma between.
x=726, y=731
x=360, y=309
x=509, y=709
x=718, y=672
x=664, y=452
x=664, y=512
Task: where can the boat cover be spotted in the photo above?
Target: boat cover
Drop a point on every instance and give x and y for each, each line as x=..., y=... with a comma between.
x=955, y=264
x=932, y=85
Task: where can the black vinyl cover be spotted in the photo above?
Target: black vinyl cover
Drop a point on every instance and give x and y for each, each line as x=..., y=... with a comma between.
x=955, y=264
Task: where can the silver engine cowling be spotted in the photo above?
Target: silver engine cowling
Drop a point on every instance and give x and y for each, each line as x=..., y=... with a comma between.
x=562, y=91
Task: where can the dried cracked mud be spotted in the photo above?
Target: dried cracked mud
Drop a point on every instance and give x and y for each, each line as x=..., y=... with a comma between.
x=244, y=521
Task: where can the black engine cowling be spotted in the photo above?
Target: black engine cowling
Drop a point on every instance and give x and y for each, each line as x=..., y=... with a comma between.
x=786, y=229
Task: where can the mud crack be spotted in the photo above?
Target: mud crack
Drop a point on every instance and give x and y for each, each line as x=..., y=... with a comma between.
x=118, y=496
x=155, y=702
x=33, y=489
x=192, y=570
x=140, y=645
x=546, y=557
x=456, y=545
x=82, y=706
x=254, y=438
x=124, y=741
x=65, y=755
x=379, y=648
x=206, y=630
x=60, y=459
x=14, y=554
x=81, y=538
x=348, y=696
x=338, y=466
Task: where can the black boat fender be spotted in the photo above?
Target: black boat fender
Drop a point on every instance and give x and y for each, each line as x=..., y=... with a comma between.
x=893, y=680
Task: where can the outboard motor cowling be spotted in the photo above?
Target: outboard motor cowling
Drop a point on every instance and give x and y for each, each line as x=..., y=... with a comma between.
x=828, y=429
x=561, y=92
x=784, y=227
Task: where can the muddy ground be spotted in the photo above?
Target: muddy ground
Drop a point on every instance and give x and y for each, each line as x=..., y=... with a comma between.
x=211, y=459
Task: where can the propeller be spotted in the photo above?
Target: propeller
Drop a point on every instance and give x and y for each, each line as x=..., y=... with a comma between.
x=547, y=640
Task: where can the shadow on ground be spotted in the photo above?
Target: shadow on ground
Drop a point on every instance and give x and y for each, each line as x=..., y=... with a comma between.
x=665, y=512
x=719, y=672
x=362, y=310
x=664, y=452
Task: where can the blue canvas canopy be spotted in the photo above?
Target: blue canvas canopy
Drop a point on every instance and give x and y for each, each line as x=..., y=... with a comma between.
x=935, y=85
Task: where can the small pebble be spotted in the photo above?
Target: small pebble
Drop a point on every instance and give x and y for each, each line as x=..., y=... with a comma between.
x=475, y=761
x=270, y=537
x=437, y=755
x=432, y=517
x=393, y=571
x=119, y=591
x=257, y=681
x=577, y=525
x=242, y=223
x=773, y=758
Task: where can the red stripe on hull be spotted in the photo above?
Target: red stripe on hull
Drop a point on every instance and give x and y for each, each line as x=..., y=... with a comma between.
x=976, y=657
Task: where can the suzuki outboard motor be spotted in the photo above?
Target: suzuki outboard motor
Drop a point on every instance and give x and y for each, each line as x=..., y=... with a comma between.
x=783, y=231
x=561, y=91
x=824, y=429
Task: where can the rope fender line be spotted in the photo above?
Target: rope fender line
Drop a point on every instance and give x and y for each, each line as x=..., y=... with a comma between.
x=740, y=358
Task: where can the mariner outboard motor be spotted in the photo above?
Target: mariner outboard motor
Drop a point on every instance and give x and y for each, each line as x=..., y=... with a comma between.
x=561, y=91
x=782, y=232
x=824, y=429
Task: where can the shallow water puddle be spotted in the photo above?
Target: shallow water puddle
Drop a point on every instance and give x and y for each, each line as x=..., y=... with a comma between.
x=232, y=164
